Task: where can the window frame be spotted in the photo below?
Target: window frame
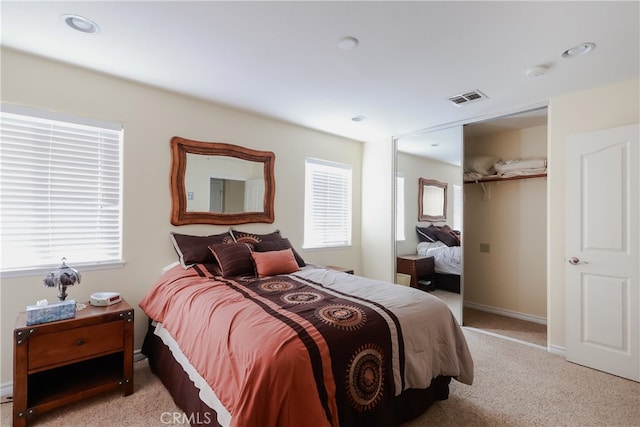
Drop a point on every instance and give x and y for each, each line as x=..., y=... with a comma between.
x=51, y=122
x=338, y=171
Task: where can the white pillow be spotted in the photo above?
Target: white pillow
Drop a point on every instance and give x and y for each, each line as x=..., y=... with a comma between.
x=423, y=247
x=484, y=165
x=169, y=267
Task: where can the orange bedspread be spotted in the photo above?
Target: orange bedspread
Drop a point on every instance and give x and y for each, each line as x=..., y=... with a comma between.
x=283, y=350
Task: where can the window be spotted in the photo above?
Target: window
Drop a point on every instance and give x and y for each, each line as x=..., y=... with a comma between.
x=327, y=204
x=400, y=207
x=60, y=190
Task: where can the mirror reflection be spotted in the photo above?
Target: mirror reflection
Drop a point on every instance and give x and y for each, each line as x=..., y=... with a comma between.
x=432, y=200
x=223, y=184
x=429, y=233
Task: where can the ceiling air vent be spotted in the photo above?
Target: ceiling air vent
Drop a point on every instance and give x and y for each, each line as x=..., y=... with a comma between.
x=465, y=98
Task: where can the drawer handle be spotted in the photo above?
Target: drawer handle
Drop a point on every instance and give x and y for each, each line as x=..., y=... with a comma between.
x=80, y=341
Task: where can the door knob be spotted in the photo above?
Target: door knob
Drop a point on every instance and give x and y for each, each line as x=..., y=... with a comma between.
x=575, y=261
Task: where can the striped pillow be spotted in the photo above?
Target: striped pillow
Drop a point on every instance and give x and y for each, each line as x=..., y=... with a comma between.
x=234, y=259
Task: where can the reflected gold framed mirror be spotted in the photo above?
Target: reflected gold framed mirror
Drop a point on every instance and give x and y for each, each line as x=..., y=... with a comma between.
x=219, y=183
x=432, y=200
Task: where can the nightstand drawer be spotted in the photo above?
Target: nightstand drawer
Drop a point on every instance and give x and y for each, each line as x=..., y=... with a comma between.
x=74, y=344
x=424, y=264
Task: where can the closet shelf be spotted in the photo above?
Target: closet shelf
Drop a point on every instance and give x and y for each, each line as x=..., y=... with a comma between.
x=498, y=179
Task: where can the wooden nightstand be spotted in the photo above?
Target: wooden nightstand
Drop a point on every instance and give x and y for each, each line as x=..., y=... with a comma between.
x=60, y=362
x=420, y=268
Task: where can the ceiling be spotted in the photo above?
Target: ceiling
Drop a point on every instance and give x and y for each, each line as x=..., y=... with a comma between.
x=283, y=60
x=445, y=145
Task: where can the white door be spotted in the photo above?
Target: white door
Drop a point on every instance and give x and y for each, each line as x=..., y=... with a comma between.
x=216, y=195
x=602, y=251
x=254, y=195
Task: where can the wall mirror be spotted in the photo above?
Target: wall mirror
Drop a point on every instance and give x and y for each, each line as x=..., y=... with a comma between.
x=432, y=200
x=218, y=183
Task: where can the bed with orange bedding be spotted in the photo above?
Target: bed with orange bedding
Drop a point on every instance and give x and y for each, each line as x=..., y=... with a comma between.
x=244, y=333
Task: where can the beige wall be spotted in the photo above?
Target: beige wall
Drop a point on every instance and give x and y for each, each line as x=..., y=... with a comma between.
x=413, y=168
x=599, y=108
x=511, y=218
x=151, y=117
x=378, y=206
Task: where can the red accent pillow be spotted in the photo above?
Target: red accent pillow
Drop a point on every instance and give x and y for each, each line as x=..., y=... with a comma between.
x=274, y=262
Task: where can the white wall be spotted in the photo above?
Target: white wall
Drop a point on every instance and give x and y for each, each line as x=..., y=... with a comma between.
x=511, y=217
x=599, y=108
x=151, y=117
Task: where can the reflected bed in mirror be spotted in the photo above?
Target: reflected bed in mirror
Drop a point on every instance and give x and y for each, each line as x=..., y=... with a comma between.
x=432, y=200
x=218, y=183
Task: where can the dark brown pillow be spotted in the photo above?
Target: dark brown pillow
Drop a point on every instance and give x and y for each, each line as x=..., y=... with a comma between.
x=234, y=259
x=252, y=238
x=278, y=245
x=427, y=234
x=195, y=249
x=434, y=233
x=448, y=238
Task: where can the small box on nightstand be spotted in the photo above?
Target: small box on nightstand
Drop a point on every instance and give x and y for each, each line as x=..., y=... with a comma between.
x=37, y=314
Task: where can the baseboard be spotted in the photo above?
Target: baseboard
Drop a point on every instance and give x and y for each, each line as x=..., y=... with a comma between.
x=507, y=313
x=557, y=350
x=6, y=392
x=6, y=389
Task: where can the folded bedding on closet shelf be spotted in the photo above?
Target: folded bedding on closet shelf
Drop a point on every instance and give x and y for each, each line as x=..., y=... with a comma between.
x=525, y=167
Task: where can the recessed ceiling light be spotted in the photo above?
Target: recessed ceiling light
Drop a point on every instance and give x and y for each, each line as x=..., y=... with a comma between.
x=359, y=118
x=347, y=43
x=80, y=23
x=581, y=49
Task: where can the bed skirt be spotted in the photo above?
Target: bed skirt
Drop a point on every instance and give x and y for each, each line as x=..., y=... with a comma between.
x=408, y=406
x=447, y=282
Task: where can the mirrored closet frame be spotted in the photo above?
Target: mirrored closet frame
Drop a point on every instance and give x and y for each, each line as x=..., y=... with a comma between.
x=461, y=124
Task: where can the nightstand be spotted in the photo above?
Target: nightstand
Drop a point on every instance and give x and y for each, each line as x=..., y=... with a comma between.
x=420, y=268
x=56, y=363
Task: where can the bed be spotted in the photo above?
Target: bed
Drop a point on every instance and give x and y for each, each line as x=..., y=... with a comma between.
x=257, y=339
x=443, y=244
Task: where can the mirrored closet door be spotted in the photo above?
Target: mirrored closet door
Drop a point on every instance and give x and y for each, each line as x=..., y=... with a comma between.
x=429, y=214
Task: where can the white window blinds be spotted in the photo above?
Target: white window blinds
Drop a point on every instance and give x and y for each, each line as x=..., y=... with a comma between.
x=327, y=213
x=60, y=189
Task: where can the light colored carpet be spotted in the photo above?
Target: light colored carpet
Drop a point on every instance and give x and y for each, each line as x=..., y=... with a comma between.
x=515, y=385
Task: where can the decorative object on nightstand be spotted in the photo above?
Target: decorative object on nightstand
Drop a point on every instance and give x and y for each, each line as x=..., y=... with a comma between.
x=62, y=277
x=60, y=362
x=103, y=299
x=43, y=312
